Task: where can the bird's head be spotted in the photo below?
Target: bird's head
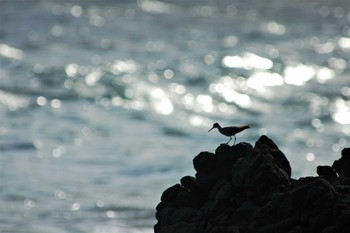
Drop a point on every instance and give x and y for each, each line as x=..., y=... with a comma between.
x=215, y=125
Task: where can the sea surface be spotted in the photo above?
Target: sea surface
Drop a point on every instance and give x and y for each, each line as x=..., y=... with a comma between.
x=104, y=104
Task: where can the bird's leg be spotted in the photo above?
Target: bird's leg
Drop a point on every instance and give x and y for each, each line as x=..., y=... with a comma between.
x=229, y=140
x=234, y=143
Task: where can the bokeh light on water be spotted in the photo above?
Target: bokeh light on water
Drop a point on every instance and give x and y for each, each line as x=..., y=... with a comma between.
x=104, y=104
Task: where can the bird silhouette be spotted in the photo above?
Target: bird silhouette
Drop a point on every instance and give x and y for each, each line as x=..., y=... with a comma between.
x=230, y=131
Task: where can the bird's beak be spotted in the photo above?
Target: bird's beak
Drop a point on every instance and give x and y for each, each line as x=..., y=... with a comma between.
x=210, y=129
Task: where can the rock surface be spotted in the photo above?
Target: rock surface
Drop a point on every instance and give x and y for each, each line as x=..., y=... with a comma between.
x=246, y=189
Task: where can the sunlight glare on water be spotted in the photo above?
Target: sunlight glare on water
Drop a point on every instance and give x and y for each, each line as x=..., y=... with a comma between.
x=341, y=112
x=298, y=75
x=226, y=87
x=260, y=80
x=10, y=52
x=162, y=104
x=248, y=61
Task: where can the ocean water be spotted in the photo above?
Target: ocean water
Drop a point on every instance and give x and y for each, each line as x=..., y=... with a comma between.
x=104, y=104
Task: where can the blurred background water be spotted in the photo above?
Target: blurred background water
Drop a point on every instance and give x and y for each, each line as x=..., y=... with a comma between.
x=104, y=104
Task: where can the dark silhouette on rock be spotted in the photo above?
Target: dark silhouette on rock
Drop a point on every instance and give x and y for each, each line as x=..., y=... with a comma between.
x=230, y=131
x=246, y=189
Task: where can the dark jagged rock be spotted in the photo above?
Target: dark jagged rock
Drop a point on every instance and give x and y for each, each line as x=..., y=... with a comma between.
x=171, y=193
x=246, y=189
x=268, y=146
x=327, y=172
x=264, y=141
x=205, y=181
x=204, y=162
x=187, y=199
x=190, y=183
x=258, y=172
x=227, y=156
x=342, y=165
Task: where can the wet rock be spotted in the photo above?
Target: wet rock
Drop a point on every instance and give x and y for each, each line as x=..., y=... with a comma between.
x=187, y=199
x=185, y=214
x=258, y=172
x=243, y=213
x=163, y=205
x=265, y=141
x=241, y=189
x=342, y=165
x=268, y=146
x=205, y=181
x=165, y=217
x=312, y=198
x=223, y=190
x=179, y=227
x=190, y=183
x=204, y=162
x=227, y=156
x=281, y=161
x=170, y=194
x=327, y=172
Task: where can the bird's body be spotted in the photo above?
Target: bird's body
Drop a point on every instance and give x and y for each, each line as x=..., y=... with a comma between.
x=230, y=131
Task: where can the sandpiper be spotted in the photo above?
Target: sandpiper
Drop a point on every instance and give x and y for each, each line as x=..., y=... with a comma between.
x=230, y=131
